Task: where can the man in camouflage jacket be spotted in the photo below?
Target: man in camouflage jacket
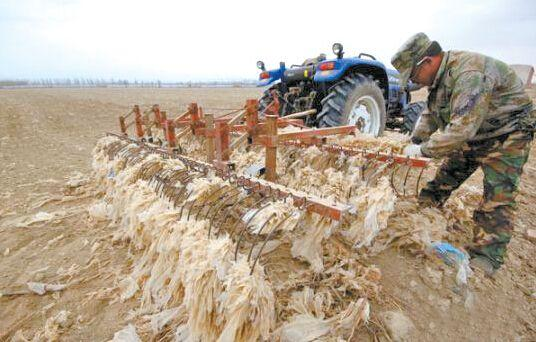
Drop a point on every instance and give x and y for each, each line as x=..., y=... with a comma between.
x=478, y=115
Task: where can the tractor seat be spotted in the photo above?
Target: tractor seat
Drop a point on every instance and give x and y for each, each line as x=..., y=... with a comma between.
x=314, y=60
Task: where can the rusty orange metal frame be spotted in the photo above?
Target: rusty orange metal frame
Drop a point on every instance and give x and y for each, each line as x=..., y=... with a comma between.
x=218, y=132
x=139, y=122
x=265, y=133
x=273, y=140
x=350, y=151
x=304, y=201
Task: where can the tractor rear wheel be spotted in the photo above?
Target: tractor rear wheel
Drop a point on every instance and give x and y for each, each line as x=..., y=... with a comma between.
x=411, y=114
x=355, y=100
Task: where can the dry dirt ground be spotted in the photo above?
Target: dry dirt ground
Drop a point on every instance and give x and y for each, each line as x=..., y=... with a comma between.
x=46, y=138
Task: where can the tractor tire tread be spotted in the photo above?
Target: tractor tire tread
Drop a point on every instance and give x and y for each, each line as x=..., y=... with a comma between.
x=333, y=104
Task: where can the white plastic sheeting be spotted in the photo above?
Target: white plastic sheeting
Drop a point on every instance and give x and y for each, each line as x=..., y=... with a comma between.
x=192, y=285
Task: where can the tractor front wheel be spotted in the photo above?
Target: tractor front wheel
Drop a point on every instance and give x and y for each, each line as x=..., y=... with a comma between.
x=355, y=100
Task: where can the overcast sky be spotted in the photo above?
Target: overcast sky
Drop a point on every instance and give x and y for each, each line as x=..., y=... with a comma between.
x=214, y=40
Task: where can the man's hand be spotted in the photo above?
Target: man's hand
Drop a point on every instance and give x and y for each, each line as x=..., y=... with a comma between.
x=412, y=150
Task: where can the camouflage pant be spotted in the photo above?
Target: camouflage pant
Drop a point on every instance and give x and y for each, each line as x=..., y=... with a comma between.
x=502, y=161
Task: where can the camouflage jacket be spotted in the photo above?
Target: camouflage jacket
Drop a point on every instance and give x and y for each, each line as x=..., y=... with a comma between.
x=473, y=98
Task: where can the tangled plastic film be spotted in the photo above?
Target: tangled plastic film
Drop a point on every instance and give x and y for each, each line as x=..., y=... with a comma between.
x=214, y=262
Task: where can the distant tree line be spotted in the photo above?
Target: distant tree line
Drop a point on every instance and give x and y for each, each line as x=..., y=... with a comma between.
x=116, y=83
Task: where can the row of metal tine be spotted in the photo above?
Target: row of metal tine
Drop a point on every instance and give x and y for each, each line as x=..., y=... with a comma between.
x=171, y=184
x=376, y=168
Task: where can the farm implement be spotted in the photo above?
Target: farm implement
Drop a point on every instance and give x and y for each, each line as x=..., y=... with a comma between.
x=246, y=193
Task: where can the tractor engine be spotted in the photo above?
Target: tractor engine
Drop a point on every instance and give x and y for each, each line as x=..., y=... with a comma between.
x=301, y=91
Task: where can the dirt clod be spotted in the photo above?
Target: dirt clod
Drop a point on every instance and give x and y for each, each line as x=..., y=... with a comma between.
x=398, y=325
x=530, y=234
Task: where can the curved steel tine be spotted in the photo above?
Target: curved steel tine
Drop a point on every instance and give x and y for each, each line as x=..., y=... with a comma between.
x=365, y=166
x=131, y=160
x=121, y=150
x=186, y=178
x=368, y=162
x=224, y=197
x=184, y=203
x=230, y=190
x=181, y=191
x=405, y=180
x=418, y=182
x=146, y=170
x=364, y=169
x=161, y=183
x=141, y=171
x=165, y=172
x=156, y=183
x=167, y=192
x=130, y=150
x=120, y=147
x=155, y=179
x=163, y=176
x=230, y=209
x=374, y=168
x=141, y=158
x=176, y=174
x=195, y=201
x=167, y=189
x=125, y=153
x=259, y=233
x=210, y=196
x=110, y=149
x=192, y=206
x=124, y=157
x=157, y=167
x=163, y=190
x=115, y=144
x=125, y=145
x=135, y=158
x=268, y=236
x=395, y=168
x=175, y=177
x=241, y=235
x=177, y=197
x=377, y=170
x=231, y=233
x=133, y=150
x=172, y=172
x=224, y=202
x=114, y=149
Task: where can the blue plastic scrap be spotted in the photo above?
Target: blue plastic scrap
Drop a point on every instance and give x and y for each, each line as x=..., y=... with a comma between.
x=448, y=253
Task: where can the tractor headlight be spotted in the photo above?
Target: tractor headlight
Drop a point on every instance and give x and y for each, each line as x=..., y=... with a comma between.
x=260, y=65
x=337, y=48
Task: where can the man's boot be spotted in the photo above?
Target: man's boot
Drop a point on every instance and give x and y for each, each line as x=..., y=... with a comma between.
x=484, y=264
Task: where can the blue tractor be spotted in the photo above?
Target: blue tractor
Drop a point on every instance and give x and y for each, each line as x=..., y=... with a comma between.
x=357, y=91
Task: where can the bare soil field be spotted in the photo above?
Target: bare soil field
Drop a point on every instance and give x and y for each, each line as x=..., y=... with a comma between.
x=47, y=236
